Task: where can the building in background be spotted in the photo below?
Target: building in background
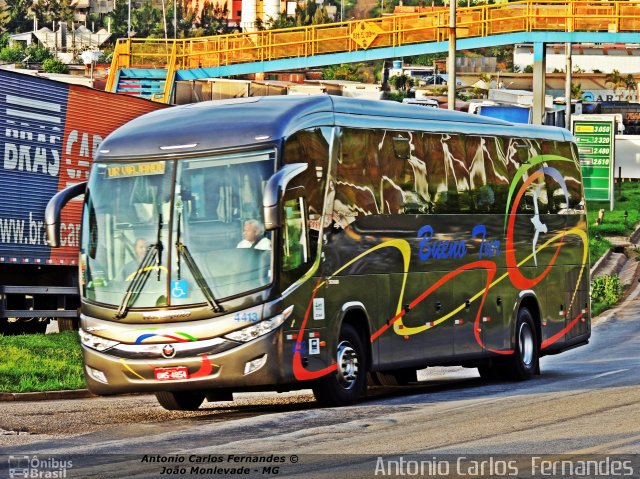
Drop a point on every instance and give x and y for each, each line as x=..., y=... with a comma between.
x=586, y=57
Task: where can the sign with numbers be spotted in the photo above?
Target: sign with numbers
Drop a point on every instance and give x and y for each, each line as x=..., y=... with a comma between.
x=364, y=33
x=595, y=136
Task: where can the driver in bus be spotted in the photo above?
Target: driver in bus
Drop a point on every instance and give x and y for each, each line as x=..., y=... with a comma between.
x=253, y=237
x=140, y=248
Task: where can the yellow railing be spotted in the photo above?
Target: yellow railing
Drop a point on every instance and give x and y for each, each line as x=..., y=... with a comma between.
x=392, y=31
x=171, y=71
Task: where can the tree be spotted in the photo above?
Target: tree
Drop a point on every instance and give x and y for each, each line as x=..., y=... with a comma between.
x=576, y=91
x=186, y=18
x=14, y=17
x=630, y=82
x=282, y=21
x=342, y=72
x=214, y=19
x=614, y=78
x=119, y=17
x=53, y=65
x=147, y=21
x=401, y=82
x=12, y=54
x=310, y=14
x=38, y=53
x=95, y=21
x=49, y=11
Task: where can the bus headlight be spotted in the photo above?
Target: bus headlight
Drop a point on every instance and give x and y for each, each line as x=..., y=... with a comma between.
x=260, y=329
x=96, y=342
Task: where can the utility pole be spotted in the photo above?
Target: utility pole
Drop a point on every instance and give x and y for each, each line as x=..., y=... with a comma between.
x=451, y=61
x=567, y=86
x=129, y=21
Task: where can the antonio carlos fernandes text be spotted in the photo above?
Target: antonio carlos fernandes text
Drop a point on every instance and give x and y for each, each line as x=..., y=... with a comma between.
x=539, y=467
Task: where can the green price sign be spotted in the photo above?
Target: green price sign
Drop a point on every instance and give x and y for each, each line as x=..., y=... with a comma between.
x=595, y=138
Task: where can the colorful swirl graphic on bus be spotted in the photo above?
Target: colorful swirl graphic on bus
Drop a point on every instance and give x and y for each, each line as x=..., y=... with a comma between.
x=458, y=250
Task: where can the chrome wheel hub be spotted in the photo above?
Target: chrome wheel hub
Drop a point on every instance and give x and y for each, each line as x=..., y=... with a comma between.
x=347, y=365
x=525, y=339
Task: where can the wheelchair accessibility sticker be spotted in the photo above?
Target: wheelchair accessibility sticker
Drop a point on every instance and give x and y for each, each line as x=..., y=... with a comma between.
x=179, y=289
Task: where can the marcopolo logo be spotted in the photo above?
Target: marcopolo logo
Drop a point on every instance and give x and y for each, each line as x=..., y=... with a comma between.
x=34, y=467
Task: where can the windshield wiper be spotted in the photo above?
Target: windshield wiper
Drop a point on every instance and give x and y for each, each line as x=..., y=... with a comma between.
x=183, y=251
x=151, y=257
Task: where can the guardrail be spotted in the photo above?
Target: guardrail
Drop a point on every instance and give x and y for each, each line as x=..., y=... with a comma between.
x=391, y=31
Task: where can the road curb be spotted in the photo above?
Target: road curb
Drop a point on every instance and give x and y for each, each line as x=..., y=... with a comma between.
x=47, y=395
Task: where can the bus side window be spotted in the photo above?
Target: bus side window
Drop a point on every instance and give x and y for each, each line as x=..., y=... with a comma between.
x=295, y=250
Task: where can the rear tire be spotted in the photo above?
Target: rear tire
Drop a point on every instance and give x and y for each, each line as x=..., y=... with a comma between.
x=349, y=382
x=180, y=400
x=523, y=363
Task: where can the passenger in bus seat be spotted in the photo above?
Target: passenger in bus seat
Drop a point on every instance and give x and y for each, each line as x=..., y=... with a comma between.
x=253, y=236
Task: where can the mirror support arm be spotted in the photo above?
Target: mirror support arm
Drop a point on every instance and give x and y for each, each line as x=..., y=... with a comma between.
x=54, y=207
x=276, y=186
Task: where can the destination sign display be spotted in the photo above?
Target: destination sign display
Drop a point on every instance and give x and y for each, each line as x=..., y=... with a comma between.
x=136, y=169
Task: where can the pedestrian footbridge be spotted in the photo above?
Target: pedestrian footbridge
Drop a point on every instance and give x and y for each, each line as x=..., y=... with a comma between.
x=149, y=67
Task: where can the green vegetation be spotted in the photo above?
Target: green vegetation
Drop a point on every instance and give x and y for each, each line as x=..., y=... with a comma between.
x=627, y=199
x=396, y=96
x=12, y=54
x=606, y=291
x=39, y=362
x=34, y=53
x=53, y=65
x=345, y=71
x=401, y=82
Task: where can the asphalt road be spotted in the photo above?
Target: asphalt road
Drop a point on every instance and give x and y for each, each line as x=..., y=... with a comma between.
x=586, y=402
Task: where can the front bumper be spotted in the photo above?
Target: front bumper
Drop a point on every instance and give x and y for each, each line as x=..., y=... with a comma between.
x=225, y=370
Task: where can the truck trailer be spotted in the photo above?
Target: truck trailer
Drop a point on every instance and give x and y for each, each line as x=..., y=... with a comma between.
x=49, y=133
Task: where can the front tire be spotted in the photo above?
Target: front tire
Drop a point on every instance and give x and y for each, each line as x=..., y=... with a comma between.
x=349, y=382
x=180, y=400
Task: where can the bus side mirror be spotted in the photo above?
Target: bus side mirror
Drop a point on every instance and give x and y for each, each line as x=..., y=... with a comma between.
x=54, y=207
x=274, y=191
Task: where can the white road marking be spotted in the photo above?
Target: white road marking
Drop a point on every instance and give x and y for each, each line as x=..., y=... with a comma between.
x=604, y=374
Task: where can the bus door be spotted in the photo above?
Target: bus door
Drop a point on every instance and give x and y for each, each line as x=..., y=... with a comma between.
x=575, y=309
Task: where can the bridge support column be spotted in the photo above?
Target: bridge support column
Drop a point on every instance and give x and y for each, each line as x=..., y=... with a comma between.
x=567, y=86
x=539, y=70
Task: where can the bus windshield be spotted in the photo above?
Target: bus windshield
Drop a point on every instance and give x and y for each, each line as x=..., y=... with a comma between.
x=176, y=232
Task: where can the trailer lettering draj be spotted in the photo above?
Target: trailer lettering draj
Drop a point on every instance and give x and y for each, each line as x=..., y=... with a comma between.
x=49, y=134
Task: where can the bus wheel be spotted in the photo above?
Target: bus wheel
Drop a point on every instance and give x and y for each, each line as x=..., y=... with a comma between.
x=350, y=380
x=397, y=377
x=180, y=400
x=523, y=363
